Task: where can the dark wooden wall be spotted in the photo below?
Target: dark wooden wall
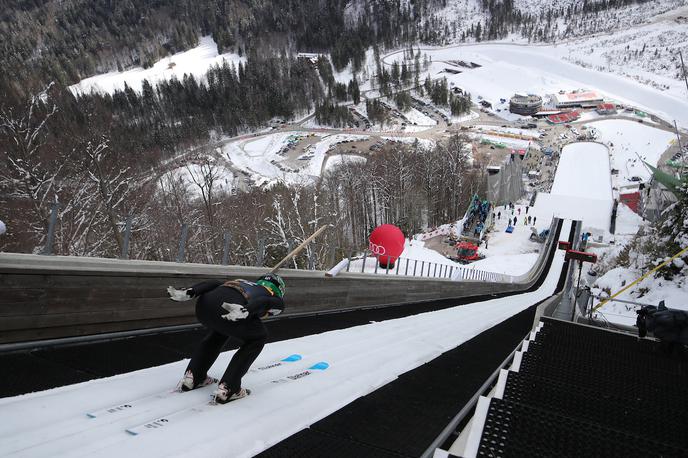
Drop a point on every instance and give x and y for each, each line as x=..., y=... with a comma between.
x=44, y=297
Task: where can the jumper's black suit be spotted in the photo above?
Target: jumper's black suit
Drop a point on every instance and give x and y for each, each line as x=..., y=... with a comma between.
x=251, y=331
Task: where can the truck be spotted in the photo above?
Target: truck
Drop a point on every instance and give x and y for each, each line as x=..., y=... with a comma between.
x=466, y=252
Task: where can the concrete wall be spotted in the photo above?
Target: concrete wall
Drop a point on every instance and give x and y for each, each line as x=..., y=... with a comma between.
x=46, y=297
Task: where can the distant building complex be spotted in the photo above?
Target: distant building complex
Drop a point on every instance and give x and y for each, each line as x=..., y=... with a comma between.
x=526, y=105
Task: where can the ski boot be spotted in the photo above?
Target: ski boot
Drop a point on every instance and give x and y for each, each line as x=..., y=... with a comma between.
x=223, y=394
x=187, y=383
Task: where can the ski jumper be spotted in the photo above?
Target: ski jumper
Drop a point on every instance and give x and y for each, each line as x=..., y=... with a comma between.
x=251, y=331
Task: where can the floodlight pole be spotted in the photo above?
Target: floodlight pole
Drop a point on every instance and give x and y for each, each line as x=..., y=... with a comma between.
x=685, y=78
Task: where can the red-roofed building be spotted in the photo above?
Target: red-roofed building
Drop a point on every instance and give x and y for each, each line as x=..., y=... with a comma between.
x=606, y=109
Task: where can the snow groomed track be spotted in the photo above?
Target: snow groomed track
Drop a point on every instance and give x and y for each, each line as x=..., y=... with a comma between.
x=361, y=358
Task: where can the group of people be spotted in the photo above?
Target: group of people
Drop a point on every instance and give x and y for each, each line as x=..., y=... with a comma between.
x=515, y=213
x=477, y=215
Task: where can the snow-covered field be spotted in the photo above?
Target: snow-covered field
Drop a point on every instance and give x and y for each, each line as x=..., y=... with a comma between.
x=512, y=142
x=315, y=164
x=420, y=261
x=261, y=157
x=629, y=141
x=424, y=143
x=194, y=62
x=54, y=422
x=339, y=159
x=413, y=115
x=530, y=133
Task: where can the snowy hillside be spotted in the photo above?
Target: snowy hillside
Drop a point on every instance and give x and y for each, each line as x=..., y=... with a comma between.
x=648, y=54
x=193, y=62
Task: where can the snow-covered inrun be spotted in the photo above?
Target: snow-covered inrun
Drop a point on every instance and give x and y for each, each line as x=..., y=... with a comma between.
x=362, y=359
x=195, y=62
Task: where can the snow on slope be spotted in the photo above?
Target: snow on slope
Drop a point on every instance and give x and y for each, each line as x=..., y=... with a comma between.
x=259, y=156
x=194, y=62
x=413, y=251
x=315, y=164
x=413, y=115
x=192, y=177
x=362, y=359
x=648, y=54
x=630, y=139
x=338, y=159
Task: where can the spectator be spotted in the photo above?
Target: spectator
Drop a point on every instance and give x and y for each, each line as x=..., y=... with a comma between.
x=527, y=208
x=499, y=215
x=534, y=218
x=514, y=220
x=509, y=221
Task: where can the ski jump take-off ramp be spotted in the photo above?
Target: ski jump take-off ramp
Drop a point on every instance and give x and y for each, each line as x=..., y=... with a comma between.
x=391, y=360
x=376, y=337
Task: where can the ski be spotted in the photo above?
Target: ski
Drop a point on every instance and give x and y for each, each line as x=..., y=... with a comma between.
x=321, y=366
x=277, y=363
x=117, y=409
x=171, y=418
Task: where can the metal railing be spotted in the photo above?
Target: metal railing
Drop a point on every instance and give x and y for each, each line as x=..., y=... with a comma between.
x=406, y=267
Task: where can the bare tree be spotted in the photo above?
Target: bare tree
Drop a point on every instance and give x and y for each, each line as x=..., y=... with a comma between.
x=29, y=174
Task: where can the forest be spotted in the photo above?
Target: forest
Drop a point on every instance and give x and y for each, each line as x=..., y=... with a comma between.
x=96, y=161
x=96, y=190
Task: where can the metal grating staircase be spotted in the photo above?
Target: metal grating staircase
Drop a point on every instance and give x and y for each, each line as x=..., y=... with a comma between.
x=579, y=391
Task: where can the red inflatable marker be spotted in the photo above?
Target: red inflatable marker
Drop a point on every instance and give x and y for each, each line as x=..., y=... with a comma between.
x=386, y=244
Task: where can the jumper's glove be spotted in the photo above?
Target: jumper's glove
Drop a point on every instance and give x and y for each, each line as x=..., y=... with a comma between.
x=180, y=295
x=236, y=312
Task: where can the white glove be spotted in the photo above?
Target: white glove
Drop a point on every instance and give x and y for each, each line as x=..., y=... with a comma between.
x=236, y=312
x=178, y=295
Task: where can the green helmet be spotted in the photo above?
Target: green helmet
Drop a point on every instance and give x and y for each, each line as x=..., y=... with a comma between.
x=274, y=283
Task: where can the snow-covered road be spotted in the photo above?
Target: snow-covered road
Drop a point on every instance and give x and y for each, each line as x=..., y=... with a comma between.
x=361, y=359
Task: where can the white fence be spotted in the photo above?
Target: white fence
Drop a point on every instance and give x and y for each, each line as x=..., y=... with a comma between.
x=404, y=267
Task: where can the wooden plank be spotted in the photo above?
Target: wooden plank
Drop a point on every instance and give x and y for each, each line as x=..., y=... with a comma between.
x=24, y=335
x=78, y=318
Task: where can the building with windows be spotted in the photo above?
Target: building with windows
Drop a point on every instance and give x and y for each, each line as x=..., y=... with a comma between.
x=525, y=105
x=583, y=99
